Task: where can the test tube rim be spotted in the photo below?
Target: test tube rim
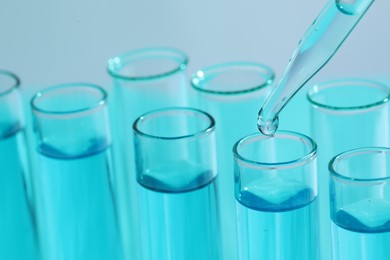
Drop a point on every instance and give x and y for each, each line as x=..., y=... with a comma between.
x=204, y=132
x=267, y=71
x=113, y=70
x=350, y=153
x=329, y=84
x=13, y=86
x=307, y=158
x=101, y=102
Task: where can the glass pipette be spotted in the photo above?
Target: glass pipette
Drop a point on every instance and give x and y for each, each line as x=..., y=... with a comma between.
x=315, y=49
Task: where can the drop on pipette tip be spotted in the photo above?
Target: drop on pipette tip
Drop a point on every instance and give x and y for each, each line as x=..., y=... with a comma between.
x=267, y=127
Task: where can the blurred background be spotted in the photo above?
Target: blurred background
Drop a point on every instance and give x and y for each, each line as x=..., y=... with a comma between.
x=54, y=42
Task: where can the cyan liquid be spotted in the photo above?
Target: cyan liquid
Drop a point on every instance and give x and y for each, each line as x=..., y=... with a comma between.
x=362, y=231
x=75, y=205
x=179, y=225
x=17, y=227
x=286, y=229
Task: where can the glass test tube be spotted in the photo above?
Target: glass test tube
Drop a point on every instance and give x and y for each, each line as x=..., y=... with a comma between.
x=360, y=204
x=345, y=114
x=143, y=79
x=231, y=93
x=276, y=197
x=176, y=172
x=74, y=198
x=17, y=229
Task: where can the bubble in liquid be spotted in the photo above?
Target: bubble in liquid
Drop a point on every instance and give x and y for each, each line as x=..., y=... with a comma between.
x=267, y=127
x=353, y=7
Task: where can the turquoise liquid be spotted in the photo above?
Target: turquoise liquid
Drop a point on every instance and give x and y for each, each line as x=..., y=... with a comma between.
x=17, y=231
x=362, y=232
x=179, y=225
x=75, y=206
x=284, y=230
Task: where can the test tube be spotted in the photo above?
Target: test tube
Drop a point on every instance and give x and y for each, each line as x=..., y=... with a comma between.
x=73, y=191
x=231, y=93
x=345, y=114
x=143, y=80
x=360, y=204
x=176, y=172
x=17, y=229
x=276, y=197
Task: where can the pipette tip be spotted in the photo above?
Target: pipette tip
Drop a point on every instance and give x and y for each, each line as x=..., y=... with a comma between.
x=267, y=127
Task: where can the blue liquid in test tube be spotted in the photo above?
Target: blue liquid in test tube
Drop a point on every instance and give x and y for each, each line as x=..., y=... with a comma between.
x=17, y=227
x=272, y=222
x=362, y=226
x=360, y=204
x=75, y=203
x=76, y=224
x=276, y=197
x=17, y=231
x=179, y=223
x=176, y=173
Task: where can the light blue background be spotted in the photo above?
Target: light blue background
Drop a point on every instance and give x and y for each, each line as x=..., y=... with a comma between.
x=53, y=42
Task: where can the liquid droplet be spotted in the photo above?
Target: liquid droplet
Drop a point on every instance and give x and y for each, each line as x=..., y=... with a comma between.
x=267, y=127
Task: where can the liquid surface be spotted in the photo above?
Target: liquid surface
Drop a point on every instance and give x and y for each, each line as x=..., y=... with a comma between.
x=172, y=178
x=8, y=130
x=17, y=231
x=75, y=205
x=316, y=48
x=367, y=216
x=280, y=233
x=275, y=194
x=95, y=146
x=182, y=225
x=362, y=231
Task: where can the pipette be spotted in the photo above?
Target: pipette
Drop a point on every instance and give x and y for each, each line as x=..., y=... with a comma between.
x=315, y=49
